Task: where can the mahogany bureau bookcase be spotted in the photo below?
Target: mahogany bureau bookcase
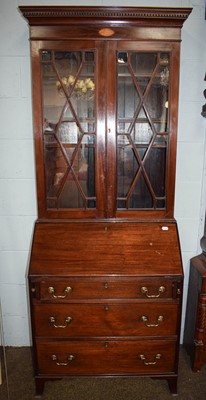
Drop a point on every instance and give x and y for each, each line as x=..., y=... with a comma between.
x=105, y=274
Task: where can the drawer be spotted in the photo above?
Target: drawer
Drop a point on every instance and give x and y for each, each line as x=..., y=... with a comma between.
x=106, y=288
x=109, y=319
x=106, y=357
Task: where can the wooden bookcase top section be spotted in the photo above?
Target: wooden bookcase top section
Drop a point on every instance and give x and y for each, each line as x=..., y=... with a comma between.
x=118, y=17
x=141, y=15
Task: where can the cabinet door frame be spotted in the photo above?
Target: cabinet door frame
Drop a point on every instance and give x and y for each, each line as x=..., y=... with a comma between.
x=106, y=115
x=151, y=46
x=100, y=104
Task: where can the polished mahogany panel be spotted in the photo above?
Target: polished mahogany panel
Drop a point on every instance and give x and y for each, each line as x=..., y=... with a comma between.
x=117, y=357
x=102, y=248
x=105, y=319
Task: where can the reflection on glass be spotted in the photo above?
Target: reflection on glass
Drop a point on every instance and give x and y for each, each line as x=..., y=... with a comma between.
x=142, y=129
x=141, y=196
x=127, y=168
x=157, y=98
x=143, y=64
x=128, y=96
x=141, y=133
x=69, y=128
x=46, y=55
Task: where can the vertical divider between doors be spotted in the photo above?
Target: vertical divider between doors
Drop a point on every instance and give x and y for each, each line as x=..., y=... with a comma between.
x=100, y=104
x=111, y=130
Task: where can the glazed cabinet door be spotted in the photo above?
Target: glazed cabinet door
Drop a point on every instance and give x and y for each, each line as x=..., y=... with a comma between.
x=144, y=131
x=105, y=122
x=70, y=128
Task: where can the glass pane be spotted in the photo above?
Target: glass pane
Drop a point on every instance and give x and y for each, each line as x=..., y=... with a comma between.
x=161, y=140
x=157, y=99
x=46, y=55
x=52, y=101
x=142, y=129
x=127, y=167
x=70, y=196
x=164, y=58
x=79, y=184
x=141, y=133
x=68, y=132
x=123, y=127
x=69, y=128
x=89, y=56
x=55, y=168
x=143, y=65
x=156, y=175
x=141, y=196
x=128, y=97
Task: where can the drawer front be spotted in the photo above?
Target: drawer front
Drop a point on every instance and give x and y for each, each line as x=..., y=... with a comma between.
x=126, y=319
x=108, y=288
x=106, y=357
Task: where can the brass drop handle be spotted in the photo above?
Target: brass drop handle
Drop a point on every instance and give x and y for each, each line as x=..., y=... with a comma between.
x=70, y=358
x=144, y=290
x=143, y=358
x=68, y=320
x=67, y=290
x=145, y=319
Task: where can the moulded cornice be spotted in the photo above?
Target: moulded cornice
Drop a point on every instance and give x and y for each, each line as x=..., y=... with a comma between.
x=119, y=14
